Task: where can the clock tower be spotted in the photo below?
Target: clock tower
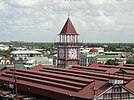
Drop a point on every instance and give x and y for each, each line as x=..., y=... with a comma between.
x=68, y=46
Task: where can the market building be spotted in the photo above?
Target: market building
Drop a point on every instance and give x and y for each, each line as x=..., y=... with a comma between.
x=69, y=80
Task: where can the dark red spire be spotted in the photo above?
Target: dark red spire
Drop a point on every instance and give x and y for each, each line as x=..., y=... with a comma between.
x=68, y=29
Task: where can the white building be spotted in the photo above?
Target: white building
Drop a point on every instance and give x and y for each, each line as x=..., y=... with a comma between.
x=100, y=49
x=4, y=47
x=84, y=50
x=33, y=61
x=115, y=53
x=25, y=53
x=87, y=50
x=6, y=61
x=20, y=48
x=86, y=60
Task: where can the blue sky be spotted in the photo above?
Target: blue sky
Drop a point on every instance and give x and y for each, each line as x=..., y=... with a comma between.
x=41, y=20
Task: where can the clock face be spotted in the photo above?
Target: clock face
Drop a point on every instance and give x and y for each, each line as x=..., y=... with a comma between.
x=72, y=53
x=61, y=53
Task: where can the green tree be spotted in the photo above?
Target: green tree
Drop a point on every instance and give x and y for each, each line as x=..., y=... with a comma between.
x=111, y=62
x=19, y=61
x=130, y=62
x=5, y=53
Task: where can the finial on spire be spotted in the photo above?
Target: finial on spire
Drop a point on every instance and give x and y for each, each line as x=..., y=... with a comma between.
x=68, y=13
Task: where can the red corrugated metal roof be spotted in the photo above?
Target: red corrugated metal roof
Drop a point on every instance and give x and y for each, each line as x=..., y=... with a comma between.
x=119, y=66
x=93, y=50
x=122, y=69
x=112, y=70
x=91, y=68
x=93, y=73
x=39, y=67
x=95, y=65
x=89, y=76
x=130, y=85
x=67, y=82
x=61, y=88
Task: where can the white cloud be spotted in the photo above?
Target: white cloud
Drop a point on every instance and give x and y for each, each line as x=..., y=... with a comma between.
x=2, y=6
x=23, y=3
x=107, y=20
x=93, y=19
x=101, y=2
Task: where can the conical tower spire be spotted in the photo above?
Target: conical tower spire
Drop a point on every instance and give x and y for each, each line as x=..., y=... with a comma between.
x=68, y=28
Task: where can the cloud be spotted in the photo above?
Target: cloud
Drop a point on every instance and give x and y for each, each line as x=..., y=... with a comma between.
x=101, y=2
x=107, y=20
x=2, y=6
x=95, y=20
x=23, y=3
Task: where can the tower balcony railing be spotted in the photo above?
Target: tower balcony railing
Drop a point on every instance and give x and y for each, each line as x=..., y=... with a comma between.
x=68, y=43
x=66, y=59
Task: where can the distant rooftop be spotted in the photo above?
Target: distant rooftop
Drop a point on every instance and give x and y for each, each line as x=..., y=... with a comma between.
x=25, y=52
x=104, y=56
x=16, y=65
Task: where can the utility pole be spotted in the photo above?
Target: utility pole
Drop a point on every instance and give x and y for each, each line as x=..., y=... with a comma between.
x=15, y=78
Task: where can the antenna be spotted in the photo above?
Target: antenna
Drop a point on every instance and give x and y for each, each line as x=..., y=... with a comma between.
x=68, y=8
x=5, y=62
x=68, y=13
x=15, y=77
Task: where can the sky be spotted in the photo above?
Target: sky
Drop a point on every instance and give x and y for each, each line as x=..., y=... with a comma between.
x=97, y=21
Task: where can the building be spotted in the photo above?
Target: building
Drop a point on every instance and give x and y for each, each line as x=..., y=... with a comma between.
x=93, y=52
x=25, y=53
x=20, y=48
x=68, y=46
x=6, y=61
x=96, y=82
x=104, y=58
x=54, y=59
x=4, y=47
x=84, y=50
x=115, y=53
x=34, y=61
x=94, y=57
x=121, y=57
x=86, y=60
x=98, y=50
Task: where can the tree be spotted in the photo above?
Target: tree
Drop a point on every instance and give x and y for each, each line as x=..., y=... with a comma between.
x=130, y=62
x=111, y=62
x=19, y=61
x=5, y=53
